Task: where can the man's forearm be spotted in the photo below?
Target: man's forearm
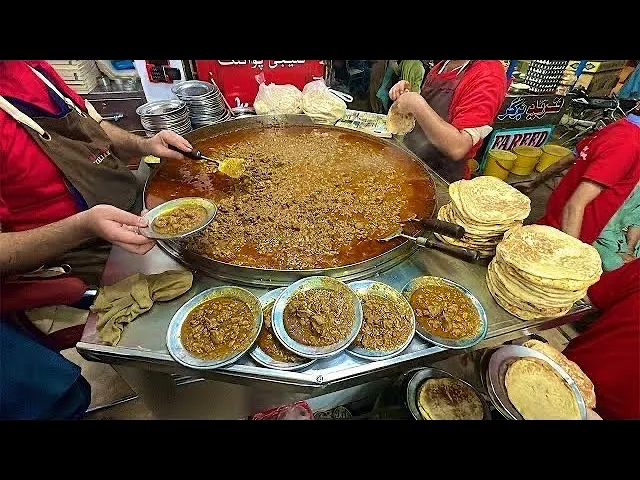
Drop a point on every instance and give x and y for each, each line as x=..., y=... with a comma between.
x=444, y=136
x=126, y=145
x=25, y=251
x=561, y=165
x=571, y=222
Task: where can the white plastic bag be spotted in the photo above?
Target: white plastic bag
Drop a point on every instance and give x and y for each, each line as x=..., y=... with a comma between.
x=322, y=105
x=275, y=99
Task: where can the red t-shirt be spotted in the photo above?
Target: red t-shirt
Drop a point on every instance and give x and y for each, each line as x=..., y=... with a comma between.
x=32, y=188
x=478, y=97
x=611, y=158
x=608, y=352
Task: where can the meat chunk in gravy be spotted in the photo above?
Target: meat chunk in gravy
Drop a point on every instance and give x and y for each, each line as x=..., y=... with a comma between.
x=319, y=317
x=445, y=311
x=218, y=328
x=181, y=219
x=384, y=326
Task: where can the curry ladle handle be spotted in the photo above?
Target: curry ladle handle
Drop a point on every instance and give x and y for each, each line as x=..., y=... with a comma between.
x=463, y=253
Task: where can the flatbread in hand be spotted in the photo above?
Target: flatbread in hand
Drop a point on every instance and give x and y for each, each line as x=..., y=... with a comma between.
x=399, y=124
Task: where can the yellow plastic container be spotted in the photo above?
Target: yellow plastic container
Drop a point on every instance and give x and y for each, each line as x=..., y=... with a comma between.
x=527, y=159
x=550, y=155
x=473, y=166
x=499, y=163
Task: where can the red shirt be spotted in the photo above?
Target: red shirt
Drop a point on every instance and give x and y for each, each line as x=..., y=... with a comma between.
x=611, y=158
x=608, y=352
x=32, y=189
x=478, y=97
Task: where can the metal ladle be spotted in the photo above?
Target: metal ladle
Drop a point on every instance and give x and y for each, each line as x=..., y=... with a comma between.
x=197, y=155
x=466, y=254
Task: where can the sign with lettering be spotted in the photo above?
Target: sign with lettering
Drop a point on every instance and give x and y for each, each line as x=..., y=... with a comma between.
x=530, y=110
x=237, y=78
x=507, y=139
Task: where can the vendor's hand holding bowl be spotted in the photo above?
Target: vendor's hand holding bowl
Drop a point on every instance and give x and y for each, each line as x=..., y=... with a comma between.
x=118, y=227
x=398, y=89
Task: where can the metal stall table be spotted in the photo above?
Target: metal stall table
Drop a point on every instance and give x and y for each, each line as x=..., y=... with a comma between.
x=142, y=358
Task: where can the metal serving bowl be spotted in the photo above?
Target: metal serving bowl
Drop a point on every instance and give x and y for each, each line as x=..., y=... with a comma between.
x=165, y=207
x=500, y=362
x=424, y=374
x=260, y=356
x=174, y=342
x=310, y=283
x=364, y=287
x=416, y=283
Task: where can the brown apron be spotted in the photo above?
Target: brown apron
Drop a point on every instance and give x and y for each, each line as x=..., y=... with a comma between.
x=438, y=93
x=84, y=154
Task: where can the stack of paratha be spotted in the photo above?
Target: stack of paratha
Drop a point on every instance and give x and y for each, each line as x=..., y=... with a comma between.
x=486, y=207
x=539, y=271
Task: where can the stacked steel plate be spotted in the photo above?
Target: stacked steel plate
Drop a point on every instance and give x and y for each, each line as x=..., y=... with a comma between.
x=164, y=115
x=204, y=102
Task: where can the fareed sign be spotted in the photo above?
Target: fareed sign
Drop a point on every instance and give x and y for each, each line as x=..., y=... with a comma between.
x=509, y=138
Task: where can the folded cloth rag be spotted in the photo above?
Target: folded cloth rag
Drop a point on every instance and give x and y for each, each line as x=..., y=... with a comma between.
x=120, y=303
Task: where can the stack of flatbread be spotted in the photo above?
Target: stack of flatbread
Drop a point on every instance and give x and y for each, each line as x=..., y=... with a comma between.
x=486, y=207
x=539, y=271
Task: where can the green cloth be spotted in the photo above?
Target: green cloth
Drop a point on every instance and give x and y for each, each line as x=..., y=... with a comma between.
x=413, y=72
x=613, y=239
x=387, y=82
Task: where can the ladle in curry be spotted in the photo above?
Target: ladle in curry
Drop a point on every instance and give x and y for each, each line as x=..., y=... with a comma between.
x=233, y=171
x=444, y=228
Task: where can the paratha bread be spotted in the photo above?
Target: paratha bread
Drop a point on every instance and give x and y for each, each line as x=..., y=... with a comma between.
x=538, y=392
x=488, y=199
x=547, y=252
x=573, y=370
x=448, y=399
x=521, y=311
x=399, y=124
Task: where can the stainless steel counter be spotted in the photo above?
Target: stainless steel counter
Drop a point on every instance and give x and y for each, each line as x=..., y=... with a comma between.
x=143, y=341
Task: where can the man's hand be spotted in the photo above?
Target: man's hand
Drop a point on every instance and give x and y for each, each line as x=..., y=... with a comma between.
x=409, y=102
x=158, y=145
x=398, y=89
x=118, y=227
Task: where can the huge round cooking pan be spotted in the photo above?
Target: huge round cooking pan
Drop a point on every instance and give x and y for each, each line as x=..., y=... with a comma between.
x=272, y=277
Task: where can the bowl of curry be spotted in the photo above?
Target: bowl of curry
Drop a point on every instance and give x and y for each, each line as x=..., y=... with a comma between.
x=215, y=328
x=268, y=350
x=447, y=314
x=317, y=317
x=179, y=218
x=388, y=321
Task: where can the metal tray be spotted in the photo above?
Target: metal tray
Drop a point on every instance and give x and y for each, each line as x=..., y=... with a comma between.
x=500, y=361
x=414, y=284
x=424, y=374
x=251, y=276
x=152, y=214
x=277, y=317
x=260, y=356
x=174, y=342
x=364, y=287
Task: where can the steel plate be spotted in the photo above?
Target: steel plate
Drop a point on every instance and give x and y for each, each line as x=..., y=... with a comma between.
x=174, y=343
x=193, y=88
x=500, y=361
x=260, y=356
x=421, y=376
x=364, y=287
x=165, y=207
x=277, y=317
x=160, y=107
x=264, y=277
x=416, y=283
